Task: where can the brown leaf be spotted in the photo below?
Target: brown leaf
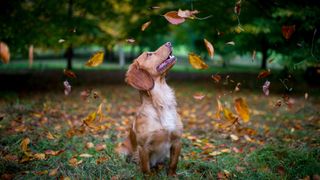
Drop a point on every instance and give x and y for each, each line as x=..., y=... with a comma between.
x=89, y=145
x=24, y=146
x=101, y=160
x=74, y=162
x=242, y=109
x=287, y=31
x=237, y=8
x=96, y=59
x=263, y=74
x=39, y=156
x=89, y=120
x=174, y=18
x=69, y=73
x=53, y=172
x=216, y=78
x=209, y=47
x=197, y=62
x=7, y=176
x=100, y=147
x=85, y=155
x=42, y=172
x=234, y=137
x=50, y=136
x=53, y=153
x=145, y=26
x=254, y=55
x=4, y=53
x=306, y=95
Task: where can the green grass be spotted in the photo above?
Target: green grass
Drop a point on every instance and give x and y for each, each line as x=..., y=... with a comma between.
x=285, y=146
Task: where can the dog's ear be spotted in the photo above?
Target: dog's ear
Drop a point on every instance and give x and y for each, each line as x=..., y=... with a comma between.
x=139, y=78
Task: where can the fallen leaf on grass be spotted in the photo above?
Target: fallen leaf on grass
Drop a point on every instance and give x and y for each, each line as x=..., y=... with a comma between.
x=287, y=31
x=4, y=53
x=101, y=160
x=174, y=18
x=89, y=145
x=67, y=87
x=86, y=155
x=263, y=74
x=198, y=96
x=10, y=157
x=53, y=172
x=216, y=153
x=69, y=73
x=100, y=147
x=90, y=119
x=197, y=62
x=42, y=172
x=24, y=146
x=50, y=136
x=61, y=41
x=95, y=60
x=265, y=88
x=53, y=153
x=234, y=137
x=145, y=26
x=242, y=109
x=74, y=162
x=209, y=47
x=39, y=156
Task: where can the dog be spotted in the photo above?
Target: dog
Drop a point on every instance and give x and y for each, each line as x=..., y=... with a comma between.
x=156, y=132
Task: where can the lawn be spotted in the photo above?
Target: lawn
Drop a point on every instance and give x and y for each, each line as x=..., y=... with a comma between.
x=276, y=143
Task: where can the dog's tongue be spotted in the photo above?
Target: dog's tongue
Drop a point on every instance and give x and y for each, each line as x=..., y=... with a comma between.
x=165, y=63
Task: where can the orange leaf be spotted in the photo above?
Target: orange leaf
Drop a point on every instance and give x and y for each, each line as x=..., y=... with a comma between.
x=24, y=146
x=263, y=74
x=287, y=31
x=53, y=153
x=242, y=109
x=197, y=62
x=40, y=156
x=95, y=60
x=216, y=78
x=174, y=18
x=209, y=47
x=4, y=53
x=69, y=73
x=53, y=172
x=50, y=136
x=145, y=26
x=229, y=115
x=100, y=147
x=90, y=119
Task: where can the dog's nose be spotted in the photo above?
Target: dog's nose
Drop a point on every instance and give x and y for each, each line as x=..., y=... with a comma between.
x=168, y=44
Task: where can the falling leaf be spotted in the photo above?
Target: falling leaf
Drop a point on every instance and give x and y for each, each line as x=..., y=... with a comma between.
x=100, y=147
x=278, y=103
x=90, y=119
x=287, y=31
x=229, y=115
x=306, y=95
x=231, y=43
x=53, y=153
x=39, y=156
x=216, y=78
x=187, y=13
x=198, y=96
x=61, y=41
x=99, y=112
x=69, y=73
x=130, y=40
x=234, y=137
x=96, y=59
x=67, y=87
x=263, y=74
x=254, y=55
x=4, y=53
x=242, y=109
x=265, y=88
x=237, y=8
x=209, y=47
x=173, y=17
x=145, y=26
x=197, y=62
x=53, y=172
x=154, y=7
x=30, y=55
x=86, y=155
x=270, y=60
x=237, y=88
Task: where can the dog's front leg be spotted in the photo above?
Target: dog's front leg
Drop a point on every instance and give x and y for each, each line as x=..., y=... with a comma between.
x=174, y=157
x=144, y=155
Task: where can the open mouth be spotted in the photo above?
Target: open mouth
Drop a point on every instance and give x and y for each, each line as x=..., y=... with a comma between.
x=167, y=63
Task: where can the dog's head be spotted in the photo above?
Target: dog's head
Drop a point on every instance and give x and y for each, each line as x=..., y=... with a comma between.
x=150, y=66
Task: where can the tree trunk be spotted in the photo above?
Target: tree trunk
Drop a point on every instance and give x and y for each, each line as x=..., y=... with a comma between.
x=264, y=51
x=69, y=52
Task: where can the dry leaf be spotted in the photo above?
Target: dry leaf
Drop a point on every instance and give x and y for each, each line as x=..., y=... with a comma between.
x=306, y=95
x=69, y=73
x=263, y=74
x=197, y=62
x=50, y=136
x=287, y=31
x=231, y=43
x=39, y=156
x=216, y=78
x=89, y=145
x=4, y=53
x=242, y=109
x=86, y=155
x=237, y=8
x=61, y=41
x=90, y=119
x=198, y=96
x=234, y=137
x=187, y=13
x=100, y=147
x=74, y=162
x=237, y=88
x=265, y=88
x=30, y=55
x=53, y=172
x=42, y=172
x=130, y=40
x=209, y=47
x=229, y=115
x=173, y=17
x=24, y=146
x=254, y=55
x=96, y=59
x=145, y=26
x=101, y=160
x=67, y=87
x=53, y=153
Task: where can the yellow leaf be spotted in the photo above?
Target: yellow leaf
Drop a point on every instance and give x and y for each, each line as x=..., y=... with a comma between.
x=145, y=26
x=234, y=137
x=24, y=146
x=53, y=172
x=74, y=162
x=40, y=156
x=90, y=119
x=96, y=59
x=42, y=172
x=4, y=53
x=209, y=47
x=228, y=114
x=85, y=155
x=197, y=62
x=50, y=136
x=99, y=112
x=242, y=109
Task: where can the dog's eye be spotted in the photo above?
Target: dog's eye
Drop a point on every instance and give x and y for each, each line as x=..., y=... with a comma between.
x=149, y=54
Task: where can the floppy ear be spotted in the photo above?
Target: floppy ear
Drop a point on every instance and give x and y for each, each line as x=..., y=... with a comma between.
x=139, y=78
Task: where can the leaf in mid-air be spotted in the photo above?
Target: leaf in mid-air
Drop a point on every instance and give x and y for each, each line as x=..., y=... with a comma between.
x=242, y=109
x=95, y=60
x=209, y=47
x=197, y=62
x=174, y=18
x=145, y=26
